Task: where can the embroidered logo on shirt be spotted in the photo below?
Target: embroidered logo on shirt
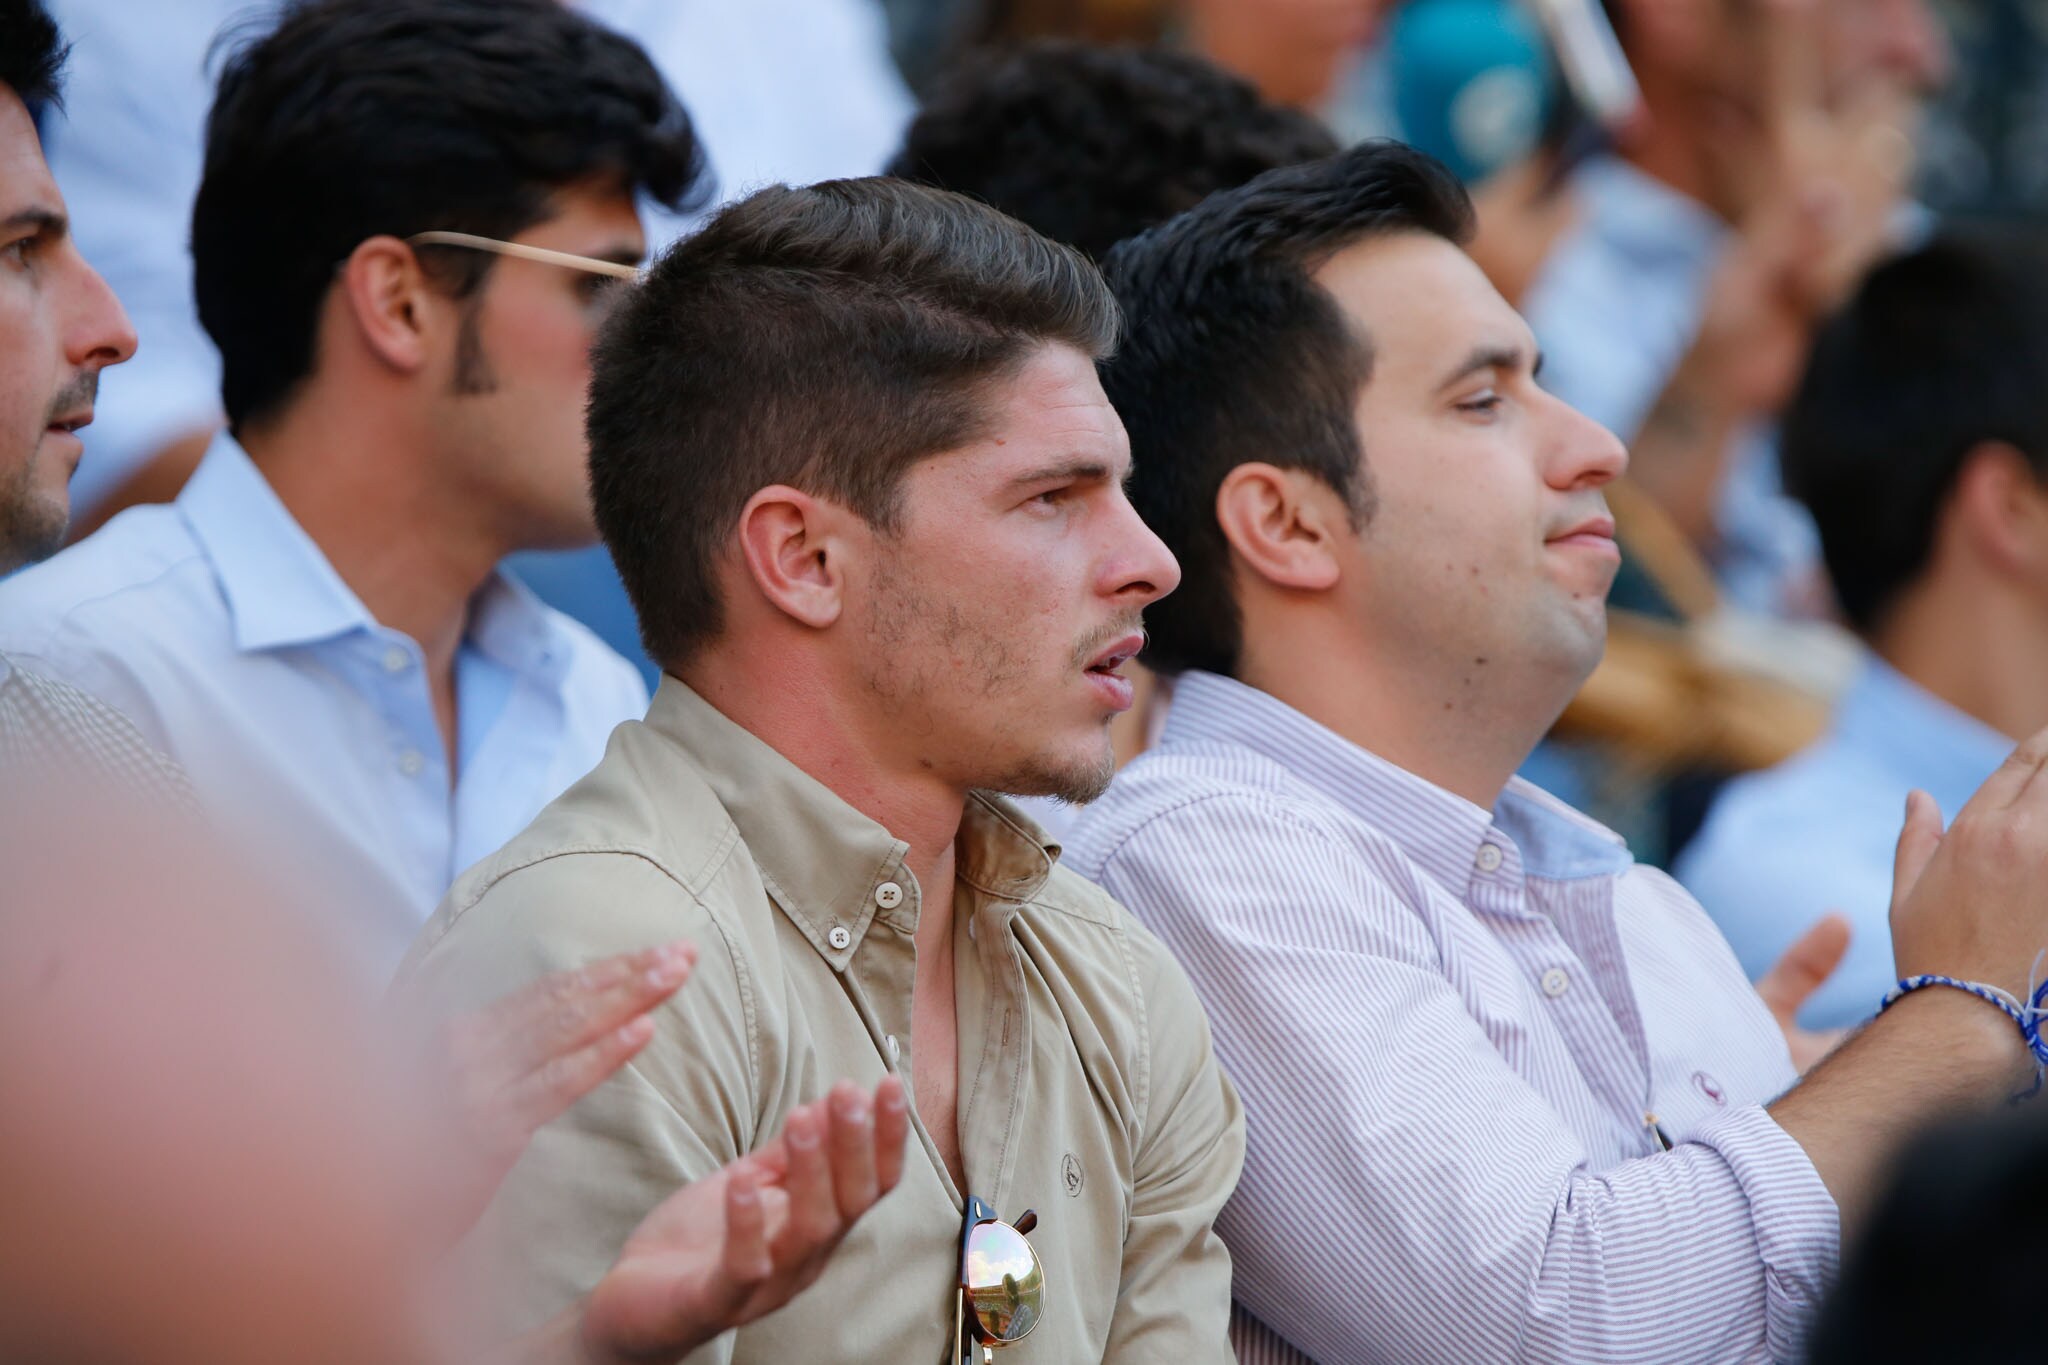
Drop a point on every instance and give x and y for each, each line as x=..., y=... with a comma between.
x=1071, y=1169
x=1710, y=1087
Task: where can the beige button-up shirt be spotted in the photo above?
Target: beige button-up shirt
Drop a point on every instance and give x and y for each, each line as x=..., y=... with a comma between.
x=1087, y=1086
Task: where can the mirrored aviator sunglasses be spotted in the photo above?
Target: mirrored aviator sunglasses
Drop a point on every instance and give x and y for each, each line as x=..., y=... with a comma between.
x=1002, y=1285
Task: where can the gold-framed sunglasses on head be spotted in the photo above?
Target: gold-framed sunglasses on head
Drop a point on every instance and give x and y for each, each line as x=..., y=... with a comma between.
x=1002, y=1286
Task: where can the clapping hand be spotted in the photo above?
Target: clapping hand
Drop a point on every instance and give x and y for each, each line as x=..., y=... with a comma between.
x=738, y=1244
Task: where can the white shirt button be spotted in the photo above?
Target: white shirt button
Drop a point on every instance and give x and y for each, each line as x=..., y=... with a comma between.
x=1556, y=982
x=396, y=660
x=412, y=762
x=888, y=895
x=1489, y=857
x=895, y=1050
x=839, y=937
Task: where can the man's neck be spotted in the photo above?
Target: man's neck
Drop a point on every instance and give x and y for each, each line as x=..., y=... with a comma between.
x=1981, y=647
x=413, y=555
x=832, y=740
x=1465, y=734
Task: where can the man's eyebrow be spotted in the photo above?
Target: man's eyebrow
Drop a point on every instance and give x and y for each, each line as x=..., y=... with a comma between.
x=1489, y=357
x=47, y=220
x=1087, y=467
x=622, y=253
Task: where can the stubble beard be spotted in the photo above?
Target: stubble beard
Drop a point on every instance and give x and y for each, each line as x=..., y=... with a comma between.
x=32, y=522
x=907, y=623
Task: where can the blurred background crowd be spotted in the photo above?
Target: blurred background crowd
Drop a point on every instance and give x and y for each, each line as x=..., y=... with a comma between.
x=1782, y=248
x=1676, y=193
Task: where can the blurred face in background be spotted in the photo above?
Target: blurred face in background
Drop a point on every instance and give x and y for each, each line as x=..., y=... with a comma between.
x=1295, y=51
x=1718, y=72
x=59, y=327
x=512, y=382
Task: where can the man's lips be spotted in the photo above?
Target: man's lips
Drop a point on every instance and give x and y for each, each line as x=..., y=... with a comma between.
x=1117, y=653
x=1594, y=533
x=71, y=421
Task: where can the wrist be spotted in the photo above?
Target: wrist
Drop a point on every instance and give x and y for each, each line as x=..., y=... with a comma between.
x=1984, y=1047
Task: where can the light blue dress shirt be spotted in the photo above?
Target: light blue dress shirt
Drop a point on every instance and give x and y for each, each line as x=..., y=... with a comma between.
x=1614, y=309
x=1783, y=847
x=779, y=91
x=309, y=730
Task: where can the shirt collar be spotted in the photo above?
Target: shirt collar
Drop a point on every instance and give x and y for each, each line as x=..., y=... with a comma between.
x=510, y=625
x=279, y=587
x=1436, y=829
x=822, y=860
x=281, y=590
x=1931, y=743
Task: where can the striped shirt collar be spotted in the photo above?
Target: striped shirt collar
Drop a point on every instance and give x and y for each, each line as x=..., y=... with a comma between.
x=1438, y=830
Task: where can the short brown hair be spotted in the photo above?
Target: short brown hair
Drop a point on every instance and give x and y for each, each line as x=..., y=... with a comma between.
x=827, y=338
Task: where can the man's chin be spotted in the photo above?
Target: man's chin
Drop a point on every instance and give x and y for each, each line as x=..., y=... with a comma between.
x=32, y=527
x=1077, y=780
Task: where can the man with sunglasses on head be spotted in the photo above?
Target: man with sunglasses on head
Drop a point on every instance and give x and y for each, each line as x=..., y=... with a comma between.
x=1510, y=1096
x=850, y=453
x=317, y=630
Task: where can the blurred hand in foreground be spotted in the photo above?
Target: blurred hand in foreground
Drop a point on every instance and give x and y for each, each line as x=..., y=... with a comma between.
x=515, y=1065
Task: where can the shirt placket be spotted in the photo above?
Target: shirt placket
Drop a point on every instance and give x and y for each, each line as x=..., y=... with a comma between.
x=1613, y=1064
x=385, y=668
x=880, y=976
x=995, y=1032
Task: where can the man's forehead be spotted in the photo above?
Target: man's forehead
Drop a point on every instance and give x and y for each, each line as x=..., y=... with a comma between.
x=1421, y=300
x=1048, y=418
x=26, y=184
x=1056, y=395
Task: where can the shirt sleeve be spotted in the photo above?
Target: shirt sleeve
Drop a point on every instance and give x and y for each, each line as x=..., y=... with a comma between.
x=1174, y=1304
x=1407, y=1195
x=588, y=1178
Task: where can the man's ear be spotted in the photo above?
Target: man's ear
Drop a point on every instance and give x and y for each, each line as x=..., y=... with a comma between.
x=387, y=297
x=1284, y=525
x=793, y=549
x=2003, y=509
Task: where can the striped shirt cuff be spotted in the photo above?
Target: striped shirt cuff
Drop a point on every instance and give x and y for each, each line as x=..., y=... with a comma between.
x=1798, y=1228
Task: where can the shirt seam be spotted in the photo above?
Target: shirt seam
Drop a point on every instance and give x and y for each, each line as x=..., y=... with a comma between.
x=62, y=624
x=742, y=978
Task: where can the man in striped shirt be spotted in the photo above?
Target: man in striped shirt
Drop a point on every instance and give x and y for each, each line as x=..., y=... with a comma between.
x=1509, y=1096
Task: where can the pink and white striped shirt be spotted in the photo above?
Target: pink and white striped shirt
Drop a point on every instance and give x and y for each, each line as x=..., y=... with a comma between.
x=1462, y=1038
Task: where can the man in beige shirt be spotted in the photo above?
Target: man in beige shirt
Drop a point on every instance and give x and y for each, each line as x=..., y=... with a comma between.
x=849, y=451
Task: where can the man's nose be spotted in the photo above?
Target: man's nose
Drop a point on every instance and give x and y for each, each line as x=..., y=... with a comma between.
x=1585, y=454
x=1143, y=570
x=98, y=333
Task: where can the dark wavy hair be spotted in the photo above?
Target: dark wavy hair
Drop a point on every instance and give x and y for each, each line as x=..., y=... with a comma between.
x=1090, y=145
x=358, y=117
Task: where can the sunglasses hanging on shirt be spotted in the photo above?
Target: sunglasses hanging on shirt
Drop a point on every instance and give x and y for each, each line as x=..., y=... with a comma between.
x=1002, y=1286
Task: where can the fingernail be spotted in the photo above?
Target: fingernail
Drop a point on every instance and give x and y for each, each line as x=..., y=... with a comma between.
x=801, y=1134
x=745, y=1194
x=853, y=1109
